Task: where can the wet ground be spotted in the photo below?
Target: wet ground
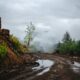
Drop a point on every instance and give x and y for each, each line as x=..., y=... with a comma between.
x=49, y=67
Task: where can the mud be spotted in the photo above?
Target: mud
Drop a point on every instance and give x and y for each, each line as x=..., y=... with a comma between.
x=62, y=69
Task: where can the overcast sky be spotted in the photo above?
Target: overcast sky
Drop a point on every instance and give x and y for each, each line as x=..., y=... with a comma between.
x=51, y=18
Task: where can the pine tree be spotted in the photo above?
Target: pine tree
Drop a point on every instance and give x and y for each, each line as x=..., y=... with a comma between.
x=66, y=37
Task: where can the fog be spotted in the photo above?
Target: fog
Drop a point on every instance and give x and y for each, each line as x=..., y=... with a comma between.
x=52, y=18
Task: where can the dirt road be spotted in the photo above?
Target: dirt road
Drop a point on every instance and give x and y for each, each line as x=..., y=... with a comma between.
x=61, y=70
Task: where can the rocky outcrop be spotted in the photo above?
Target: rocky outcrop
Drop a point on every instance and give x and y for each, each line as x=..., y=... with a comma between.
x=4, y=32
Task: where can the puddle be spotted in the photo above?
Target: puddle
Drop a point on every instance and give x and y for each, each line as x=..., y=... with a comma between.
x=45, y=65
x=76, y=67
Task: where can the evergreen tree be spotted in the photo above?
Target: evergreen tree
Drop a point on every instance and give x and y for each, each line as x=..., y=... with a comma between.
x=66, y=37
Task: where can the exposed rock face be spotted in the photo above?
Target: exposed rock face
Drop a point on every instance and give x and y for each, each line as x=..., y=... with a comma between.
x=4, y=32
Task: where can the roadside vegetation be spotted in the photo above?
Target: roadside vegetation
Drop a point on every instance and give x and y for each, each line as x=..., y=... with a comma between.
x=3, y=51
x=17, y=45
x=68, y=46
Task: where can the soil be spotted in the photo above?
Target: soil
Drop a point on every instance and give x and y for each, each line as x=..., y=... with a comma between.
x=59, y=71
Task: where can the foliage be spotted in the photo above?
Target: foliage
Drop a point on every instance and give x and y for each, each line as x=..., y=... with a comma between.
x=29, y=34
x=66, y=37
x=68, y=46
x=18, y=47
x=78, y=47
x=23, y=48
x=3, y=51
x=15, y=41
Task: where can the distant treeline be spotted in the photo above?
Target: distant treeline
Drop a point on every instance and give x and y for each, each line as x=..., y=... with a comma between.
x=68, y=46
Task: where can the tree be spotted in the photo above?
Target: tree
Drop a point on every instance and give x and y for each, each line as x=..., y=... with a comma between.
x=68, y=46
x=66, y=37
x=29, y=34
x=57, y=47
x=78, y=48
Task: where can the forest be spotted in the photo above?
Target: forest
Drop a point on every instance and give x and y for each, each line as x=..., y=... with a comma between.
x=68, y=46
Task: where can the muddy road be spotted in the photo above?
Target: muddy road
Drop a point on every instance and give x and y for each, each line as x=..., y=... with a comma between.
x=50, y=67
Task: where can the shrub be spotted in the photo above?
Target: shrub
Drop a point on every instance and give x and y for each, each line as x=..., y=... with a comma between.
x=67, y=48
x=3, y=51
x=18, y=47
x=15, y=42
x=23, y=48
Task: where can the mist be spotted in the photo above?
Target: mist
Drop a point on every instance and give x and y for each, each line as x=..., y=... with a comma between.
x=52, y=18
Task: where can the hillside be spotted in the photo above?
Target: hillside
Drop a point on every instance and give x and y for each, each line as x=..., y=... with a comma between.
x=10, y=52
